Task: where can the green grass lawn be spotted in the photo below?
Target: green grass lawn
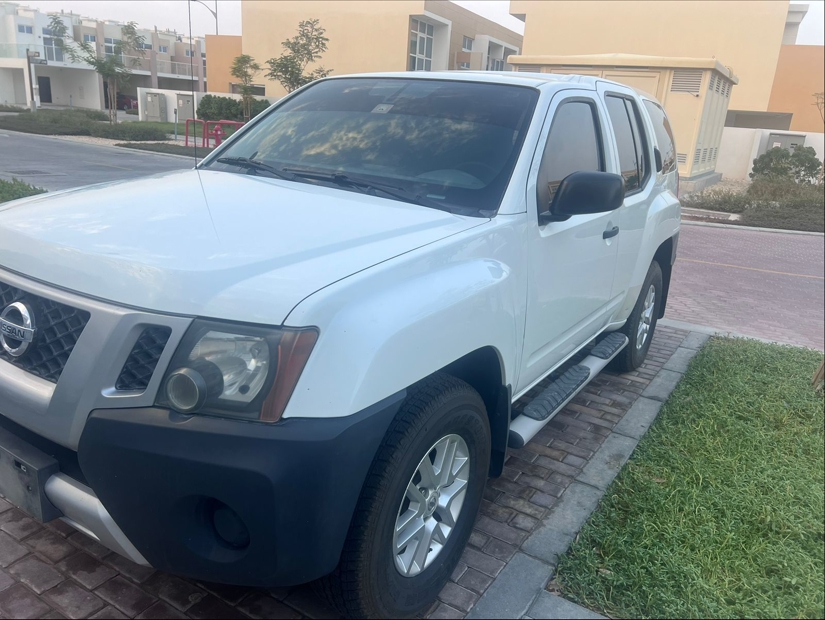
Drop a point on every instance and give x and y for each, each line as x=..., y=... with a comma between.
x=14, y=189
x=719, y=513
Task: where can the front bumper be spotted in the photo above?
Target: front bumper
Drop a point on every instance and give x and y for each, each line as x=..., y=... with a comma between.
x=291, y=489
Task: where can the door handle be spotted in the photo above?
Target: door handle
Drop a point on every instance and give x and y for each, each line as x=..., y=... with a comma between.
x=610, y=233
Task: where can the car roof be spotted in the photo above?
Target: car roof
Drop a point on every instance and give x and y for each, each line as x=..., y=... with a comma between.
x=535, y=80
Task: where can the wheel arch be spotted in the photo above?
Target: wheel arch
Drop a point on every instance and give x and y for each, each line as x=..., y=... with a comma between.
x=666, y=256
x=483, y=370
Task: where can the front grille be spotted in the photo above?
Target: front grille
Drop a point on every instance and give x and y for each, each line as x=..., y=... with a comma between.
x=58, y=327
x=141, y=363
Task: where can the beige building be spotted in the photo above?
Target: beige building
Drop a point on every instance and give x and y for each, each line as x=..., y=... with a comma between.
x=682, y=52
x=365, y=36
x=168, y=60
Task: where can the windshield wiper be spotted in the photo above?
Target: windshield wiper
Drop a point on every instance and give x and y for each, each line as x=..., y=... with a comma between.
x=254, y=164
x=344, y=180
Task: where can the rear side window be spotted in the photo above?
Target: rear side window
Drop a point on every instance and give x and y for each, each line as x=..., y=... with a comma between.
x=664, y=136
x=574, y=144
x=630, y=140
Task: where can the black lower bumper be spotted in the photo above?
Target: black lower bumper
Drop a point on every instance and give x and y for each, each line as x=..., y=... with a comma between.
x=230, y=501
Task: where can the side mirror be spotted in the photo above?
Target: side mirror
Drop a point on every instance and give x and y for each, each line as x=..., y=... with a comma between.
x=657, y=155
x=585, y=192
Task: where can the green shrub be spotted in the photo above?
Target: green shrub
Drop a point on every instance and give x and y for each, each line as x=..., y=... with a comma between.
x=136, y=132
x=92, y=115
x=776, y=202
x=14, y=189
x=52, y=122
x=801, y=166
x=716, y=200
x=12, y=108
x=259, y=105
x=132, y=112
x=215, y=108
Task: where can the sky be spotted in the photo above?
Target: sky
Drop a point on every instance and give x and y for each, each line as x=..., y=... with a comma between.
x=173, y=14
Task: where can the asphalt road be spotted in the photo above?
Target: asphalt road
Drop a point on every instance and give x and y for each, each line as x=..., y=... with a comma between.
x=55, y=163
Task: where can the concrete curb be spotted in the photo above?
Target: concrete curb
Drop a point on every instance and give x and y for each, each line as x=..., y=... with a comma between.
x=712, y=331
x=754, y=228
x=519, y=590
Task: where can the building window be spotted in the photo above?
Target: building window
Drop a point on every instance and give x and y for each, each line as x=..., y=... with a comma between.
x=421, y=46
x=464, y=65
x=163, y=49
x=146, y=46
x=189, y=53
x=53, y=51
x=89, y=38
x=467, y=46
x=23, y=29
x=495, y=64
x=109, y=45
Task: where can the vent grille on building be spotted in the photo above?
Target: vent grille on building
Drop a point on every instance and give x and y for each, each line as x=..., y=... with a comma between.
x=712, y=82
x=697, y=156
x=686, y=81
x=681, y=158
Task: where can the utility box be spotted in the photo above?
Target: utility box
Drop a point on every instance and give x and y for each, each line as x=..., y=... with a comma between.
x=156, y=107
x=186, y=106
x=788, y=141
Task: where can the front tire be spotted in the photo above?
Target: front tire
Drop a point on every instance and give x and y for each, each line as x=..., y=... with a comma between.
x=641, y=323
x=418, y=504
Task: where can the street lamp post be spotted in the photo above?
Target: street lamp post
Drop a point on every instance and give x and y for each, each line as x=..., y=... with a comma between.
x=214, y=13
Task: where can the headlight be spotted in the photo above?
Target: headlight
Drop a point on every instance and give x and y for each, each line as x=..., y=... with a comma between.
x=236, y=370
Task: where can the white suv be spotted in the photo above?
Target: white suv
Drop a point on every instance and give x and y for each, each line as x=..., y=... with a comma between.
x=298, y=359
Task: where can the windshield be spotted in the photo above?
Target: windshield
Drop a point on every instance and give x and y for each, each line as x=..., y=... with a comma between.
x=447, y=144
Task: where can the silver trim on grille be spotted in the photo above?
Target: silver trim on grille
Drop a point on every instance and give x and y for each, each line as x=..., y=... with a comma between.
x=59, y=412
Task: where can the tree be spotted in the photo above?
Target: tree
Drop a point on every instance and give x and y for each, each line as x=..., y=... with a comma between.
x=111, y=67
x=244, y=68
x=305, y=48
x=801, y=166
x=819, y=102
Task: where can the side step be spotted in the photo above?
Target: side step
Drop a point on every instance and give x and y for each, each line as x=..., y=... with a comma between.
x=555, y=396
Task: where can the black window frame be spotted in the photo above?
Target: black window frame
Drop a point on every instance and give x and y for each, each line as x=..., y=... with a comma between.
x=668, y=129
x=636, y=128
x=542, y=191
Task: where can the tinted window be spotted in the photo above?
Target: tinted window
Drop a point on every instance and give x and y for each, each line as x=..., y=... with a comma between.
x=623, y=130
x=452, y=143
x=574, y=144
x=664, y=136
x=639, y=139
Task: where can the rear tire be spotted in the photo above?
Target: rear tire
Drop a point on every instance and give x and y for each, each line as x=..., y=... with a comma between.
x=641, y=323
x=369, y=581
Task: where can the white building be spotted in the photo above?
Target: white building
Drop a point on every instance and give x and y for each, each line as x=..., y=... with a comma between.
x=168, y=61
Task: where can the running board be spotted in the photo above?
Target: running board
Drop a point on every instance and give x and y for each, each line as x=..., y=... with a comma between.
x=555, y=396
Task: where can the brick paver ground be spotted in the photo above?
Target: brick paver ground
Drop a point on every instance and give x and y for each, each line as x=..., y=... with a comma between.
x=768, y=285
x=53, y=571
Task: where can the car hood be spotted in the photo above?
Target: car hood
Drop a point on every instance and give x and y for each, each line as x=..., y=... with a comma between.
x=208, y=243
